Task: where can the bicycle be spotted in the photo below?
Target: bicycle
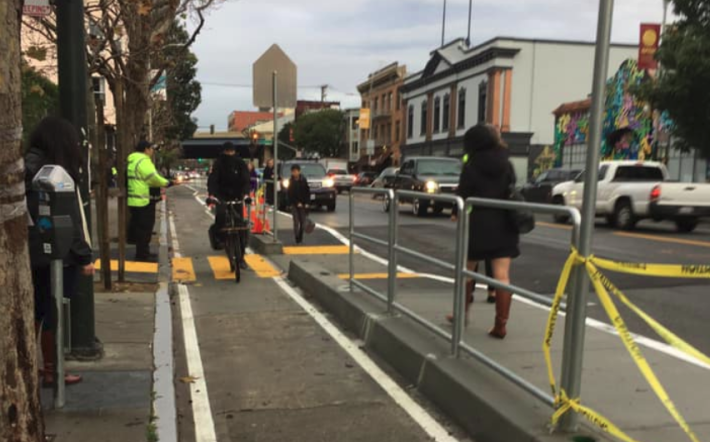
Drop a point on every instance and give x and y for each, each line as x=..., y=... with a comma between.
x=236, y=231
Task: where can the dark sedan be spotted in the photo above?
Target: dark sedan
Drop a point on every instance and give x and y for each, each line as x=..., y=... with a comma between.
x=540, y=189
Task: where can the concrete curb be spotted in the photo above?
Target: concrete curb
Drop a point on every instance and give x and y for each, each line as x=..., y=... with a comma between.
x=164, y=407
x=487, y=406
x=264, y=245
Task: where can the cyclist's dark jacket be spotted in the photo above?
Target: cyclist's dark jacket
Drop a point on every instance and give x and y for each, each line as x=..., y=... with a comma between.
x=229, y=180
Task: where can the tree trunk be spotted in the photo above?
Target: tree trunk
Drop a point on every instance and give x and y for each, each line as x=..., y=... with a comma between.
x=20, y=410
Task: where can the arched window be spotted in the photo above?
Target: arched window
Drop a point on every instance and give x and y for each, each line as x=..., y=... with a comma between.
x=437, y=114
x=462, y=108
x=447, y=113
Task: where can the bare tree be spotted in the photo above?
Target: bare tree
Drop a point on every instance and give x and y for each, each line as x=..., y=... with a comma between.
x=20, y=410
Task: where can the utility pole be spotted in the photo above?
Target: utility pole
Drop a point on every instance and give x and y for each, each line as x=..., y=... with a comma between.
x=470, y=14
x=577, y=308
x=72, y=103
x=275, y=226
x=323, y=93
x=102, y=196
x=443, y=26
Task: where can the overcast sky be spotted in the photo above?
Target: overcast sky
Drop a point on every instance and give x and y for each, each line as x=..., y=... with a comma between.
x=338, y=42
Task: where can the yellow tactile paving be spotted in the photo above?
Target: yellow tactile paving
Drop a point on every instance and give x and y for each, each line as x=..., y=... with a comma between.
x=131, y=266
x=378, y=276
x=317, y=250
x=183, y=270
x=262, y=267
x=220, y=267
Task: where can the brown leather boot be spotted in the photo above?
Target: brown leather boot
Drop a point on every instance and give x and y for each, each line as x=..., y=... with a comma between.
x=48, y=373
x=470, y=287
x=503, y=301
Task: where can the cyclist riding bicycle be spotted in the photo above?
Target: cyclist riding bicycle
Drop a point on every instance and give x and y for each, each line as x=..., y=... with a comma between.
x=228, y=182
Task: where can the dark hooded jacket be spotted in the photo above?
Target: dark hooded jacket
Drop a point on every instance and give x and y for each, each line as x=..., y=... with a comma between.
x=80, y=253
x=489, y=174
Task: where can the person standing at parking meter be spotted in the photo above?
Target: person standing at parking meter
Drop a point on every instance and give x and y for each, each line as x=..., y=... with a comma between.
x=142, y=175
x=55, y=141
x=299, y=195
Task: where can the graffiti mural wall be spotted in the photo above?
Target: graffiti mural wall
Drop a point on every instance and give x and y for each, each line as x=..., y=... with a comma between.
x=628, y=125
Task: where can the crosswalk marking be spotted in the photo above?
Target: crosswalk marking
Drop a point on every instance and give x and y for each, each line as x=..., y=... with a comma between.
x=317, y=250
x=220, y=267
x=183, y=270
x=379, y=276
x=262, y=267
x=131, y=266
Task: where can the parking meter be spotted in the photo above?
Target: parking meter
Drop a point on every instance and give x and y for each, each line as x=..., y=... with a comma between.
x=57, y=202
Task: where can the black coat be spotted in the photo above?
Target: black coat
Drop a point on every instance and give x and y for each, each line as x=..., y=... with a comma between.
x=80, y=253
x=299, y=192
x=492, y=232
x=229, y=180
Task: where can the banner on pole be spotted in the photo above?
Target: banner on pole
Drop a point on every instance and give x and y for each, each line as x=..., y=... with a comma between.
x=364, y=121
x=650, y=36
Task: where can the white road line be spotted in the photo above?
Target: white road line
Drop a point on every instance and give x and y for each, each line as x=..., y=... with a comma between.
x=593, y=323
x=173, y=237
x=201, y=410
x=432, y=428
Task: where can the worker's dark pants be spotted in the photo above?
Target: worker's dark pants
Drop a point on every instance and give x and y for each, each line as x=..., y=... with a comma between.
x=140, y=229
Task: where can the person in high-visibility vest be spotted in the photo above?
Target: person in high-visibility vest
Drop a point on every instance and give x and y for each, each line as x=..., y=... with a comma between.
x=142, y=175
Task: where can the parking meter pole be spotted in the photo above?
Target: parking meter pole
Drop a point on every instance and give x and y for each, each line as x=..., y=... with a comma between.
x=275, y=227
x=57, y=281
x=578, y=303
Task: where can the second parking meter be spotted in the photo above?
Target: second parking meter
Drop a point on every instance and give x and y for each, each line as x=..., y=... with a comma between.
x=57, y=202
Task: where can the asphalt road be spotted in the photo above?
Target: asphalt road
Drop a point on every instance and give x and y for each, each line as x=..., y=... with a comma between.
x=267, y=372
x=683, y=305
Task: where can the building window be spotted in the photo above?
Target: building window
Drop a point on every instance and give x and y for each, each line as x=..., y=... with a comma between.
x=385, y=106
x=437, y=114
x=389, y=101
x=462, y=108
x=447, y=113
x=375, y=137
x=397, y=128
x=423, y=117
x=374, y=105
x=482, y=101
x=99, y=86
x=399, y=100
x=389, y=133
x=410, y=121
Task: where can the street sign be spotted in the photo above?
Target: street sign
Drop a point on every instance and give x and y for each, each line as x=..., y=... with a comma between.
x=37, y=8
x=648, y=45
x=370, y=147
x=275, y=60
x=160, y=89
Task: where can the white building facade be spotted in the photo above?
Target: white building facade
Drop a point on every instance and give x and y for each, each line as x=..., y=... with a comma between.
x=514, y=84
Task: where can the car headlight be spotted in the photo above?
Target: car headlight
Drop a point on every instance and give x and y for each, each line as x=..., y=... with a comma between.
x=285, y=183
x=328, y=182
x=431, y=187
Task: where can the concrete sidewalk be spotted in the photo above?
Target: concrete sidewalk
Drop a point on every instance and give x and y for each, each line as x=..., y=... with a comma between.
x=612, y=385
x=113, y=403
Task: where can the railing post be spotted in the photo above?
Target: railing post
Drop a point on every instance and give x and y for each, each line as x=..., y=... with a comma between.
x=351, y=250
x=392, y=253
x=461, y=250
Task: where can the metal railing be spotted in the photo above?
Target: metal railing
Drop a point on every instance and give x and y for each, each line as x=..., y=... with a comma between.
x=572, y=349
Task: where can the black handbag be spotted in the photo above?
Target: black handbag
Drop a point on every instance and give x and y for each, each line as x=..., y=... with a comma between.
x=522, y=219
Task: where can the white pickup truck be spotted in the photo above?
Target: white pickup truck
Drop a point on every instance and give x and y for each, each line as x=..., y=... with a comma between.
x=629, y=191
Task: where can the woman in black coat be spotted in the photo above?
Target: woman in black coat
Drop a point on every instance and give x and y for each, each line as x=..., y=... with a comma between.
x=493, y=236
x=54, y=141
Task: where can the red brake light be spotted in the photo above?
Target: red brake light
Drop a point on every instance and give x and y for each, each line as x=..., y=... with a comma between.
x=656, y=193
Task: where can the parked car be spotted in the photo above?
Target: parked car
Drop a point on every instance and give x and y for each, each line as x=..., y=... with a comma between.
x=343, y=180
x=323, y=193
x=540, y=189
x=629, y=191
x=365, y=179
x=432, y=175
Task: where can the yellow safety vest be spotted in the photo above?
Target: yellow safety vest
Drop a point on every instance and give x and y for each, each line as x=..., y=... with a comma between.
x=142, y=175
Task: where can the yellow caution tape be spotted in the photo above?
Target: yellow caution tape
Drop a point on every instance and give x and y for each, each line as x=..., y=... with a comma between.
x=659, y=270
x=603, y=286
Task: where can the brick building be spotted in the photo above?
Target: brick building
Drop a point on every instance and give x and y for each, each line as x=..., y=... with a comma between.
x=381, y=94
